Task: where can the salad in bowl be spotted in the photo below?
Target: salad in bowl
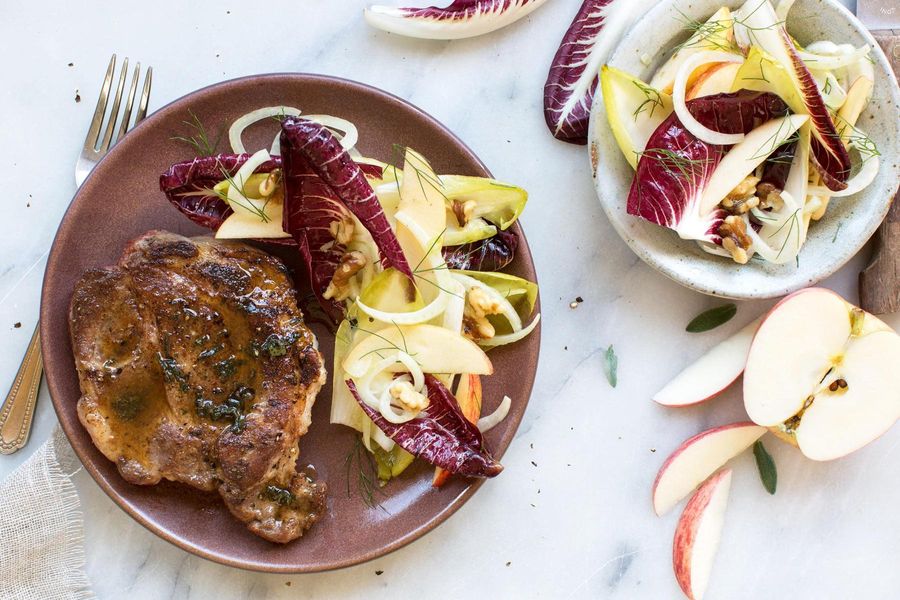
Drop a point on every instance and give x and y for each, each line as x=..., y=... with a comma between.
x=743, y=139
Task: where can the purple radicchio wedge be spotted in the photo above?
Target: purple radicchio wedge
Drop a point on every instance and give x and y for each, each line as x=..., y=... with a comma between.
x=491, y=254
x=574, y=72
x=189, y=186
x=460, y=19
x=440, y=435
x=674, y=170
x=310, y=208
x=334, y=166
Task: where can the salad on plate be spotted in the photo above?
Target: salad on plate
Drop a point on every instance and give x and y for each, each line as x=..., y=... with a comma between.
x=406, y=263
x=741, y=138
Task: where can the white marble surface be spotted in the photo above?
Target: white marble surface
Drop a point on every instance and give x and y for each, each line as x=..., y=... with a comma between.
x=570, y=517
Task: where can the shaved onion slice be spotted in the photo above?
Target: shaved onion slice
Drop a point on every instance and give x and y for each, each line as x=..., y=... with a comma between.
x=430, y=311
x=510, y=338
x=506, y=308
x=678, y=97
x=343, y=129
x=346, y=130
x=490, y=421
x=865, y=176
x=243, y=122
x=826, y=62
x=383, y=400
x=437, y=268
x=239, y=202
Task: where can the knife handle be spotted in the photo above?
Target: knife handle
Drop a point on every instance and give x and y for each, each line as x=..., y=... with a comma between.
x=879, y=283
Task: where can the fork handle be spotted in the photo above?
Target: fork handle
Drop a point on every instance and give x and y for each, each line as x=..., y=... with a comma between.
x=17, y=411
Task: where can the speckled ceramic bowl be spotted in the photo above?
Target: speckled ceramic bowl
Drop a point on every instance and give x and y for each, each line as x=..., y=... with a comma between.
x=832, y=241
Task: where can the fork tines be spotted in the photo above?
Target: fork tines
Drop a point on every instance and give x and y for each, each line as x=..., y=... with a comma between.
x=93, y=142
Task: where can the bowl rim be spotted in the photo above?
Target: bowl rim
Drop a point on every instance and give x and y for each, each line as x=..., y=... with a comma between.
x=676, y=273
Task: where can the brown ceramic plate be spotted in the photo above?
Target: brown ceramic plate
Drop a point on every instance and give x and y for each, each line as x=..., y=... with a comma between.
x=121, y=200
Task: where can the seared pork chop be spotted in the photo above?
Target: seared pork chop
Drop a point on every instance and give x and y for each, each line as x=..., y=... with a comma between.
x=196, y=366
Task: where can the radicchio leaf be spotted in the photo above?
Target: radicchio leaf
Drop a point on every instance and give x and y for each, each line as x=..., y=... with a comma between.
x=574, y=72
x=440, y=435
x=778, y=166
x=491, y=254
x=188, y=186
x=334, y=166
x=310, y=207
x=672, y=172
x=461, y=19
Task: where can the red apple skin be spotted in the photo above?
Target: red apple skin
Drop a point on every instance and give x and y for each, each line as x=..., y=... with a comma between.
x=702, y=400
x=686, y=531
x=689, y=442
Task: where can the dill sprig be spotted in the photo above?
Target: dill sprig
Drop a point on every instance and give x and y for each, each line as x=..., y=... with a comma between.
x=653, y=99
x=703, y=33
x=865, y=145
x=239, y=188
x=794, y=222
x=366, y=475
x=200, y=140
x=677, y=165
x=773, y=142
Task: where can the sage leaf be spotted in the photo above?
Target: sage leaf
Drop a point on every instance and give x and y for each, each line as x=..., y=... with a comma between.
x=767, y=472
x=612, y=366
x=711, y=318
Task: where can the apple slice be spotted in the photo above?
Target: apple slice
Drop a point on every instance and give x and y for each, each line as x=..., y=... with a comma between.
x=744, y=157
x=698, y=533
x=437, y=350
x=697, y=458
x=825, y=373
x=243, y=226
x=711, y=373
x=717, y=79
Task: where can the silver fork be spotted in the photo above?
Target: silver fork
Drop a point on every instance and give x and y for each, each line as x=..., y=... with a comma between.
x=96, y=147
x=17, y=411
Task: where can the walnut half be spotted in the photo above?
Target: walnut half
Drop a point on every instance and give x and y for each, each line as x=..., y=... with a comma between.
x=735, y=239
x=478, y=306
x=339, y=289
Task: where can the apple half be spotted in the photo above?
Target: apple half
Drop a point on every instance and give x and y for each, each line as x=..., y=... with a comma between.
x=698, y=458
x=823, y=374
x=712, y=373
x=698, y=533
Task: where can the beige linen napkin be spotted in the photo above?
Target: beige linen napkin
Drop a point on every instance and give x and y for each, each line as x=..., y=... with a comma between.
x=41, y=528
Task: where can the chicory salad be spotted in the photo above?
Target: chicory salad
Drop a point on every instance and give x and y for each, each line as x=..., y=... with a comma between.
x=405, y=262
x=742, y=137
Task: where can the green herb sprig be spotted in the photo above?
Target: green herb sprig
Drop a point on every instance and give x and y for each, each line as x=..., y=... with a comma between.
x=767, y=471
x=712, y=318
